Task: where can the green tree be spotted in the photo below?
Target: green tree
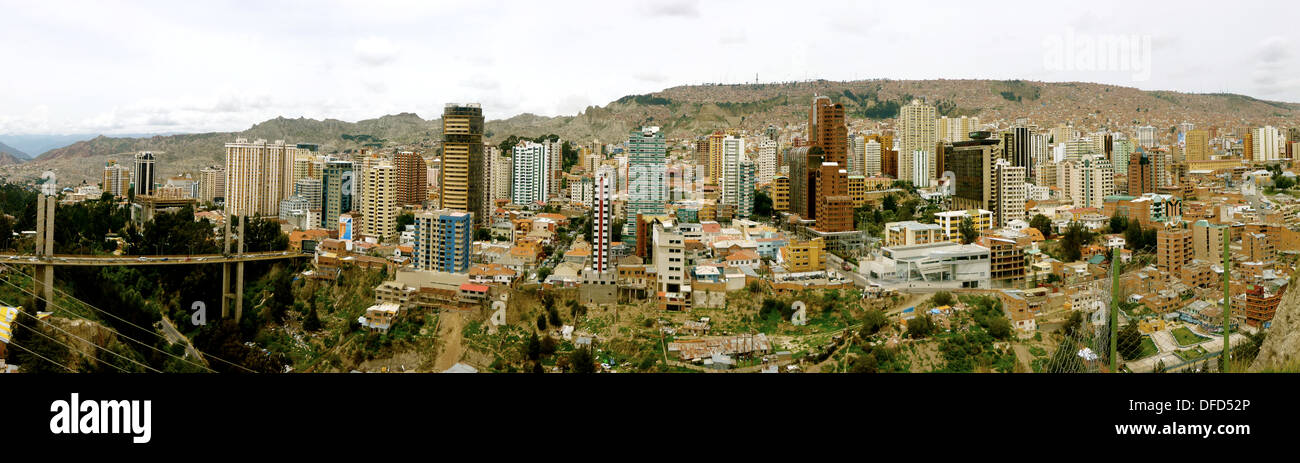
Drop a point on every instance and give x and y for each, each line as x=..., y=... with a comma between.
x=1129, y=341
x=1118, y=223
x=1073, y=241
x=873, y=322
x=404, y=219
x=1042, y=223
x=582, y=361
x=920, y=327
x=941, y=298
x=534, y=347
x=482, y=234
x=968, y=232
x=763, y=205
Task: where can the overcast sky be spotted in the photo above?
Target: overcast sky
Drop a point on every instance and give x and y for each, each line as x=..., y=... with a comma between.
x=135, y=67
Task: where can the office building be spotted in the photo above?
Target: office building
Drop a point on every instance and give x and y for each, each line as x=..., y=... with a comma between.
x=212, y=184
x=144, y=173
x=603, y=219
x=766, y=160
x=462, y=161
x=338, y=189
x=117, y=179
x=647, y=190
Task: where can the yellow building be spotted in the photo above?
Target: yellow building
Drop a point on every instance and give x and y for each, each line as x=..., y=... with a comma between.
x=950, y=222
x=781, y=193
x=806, y=256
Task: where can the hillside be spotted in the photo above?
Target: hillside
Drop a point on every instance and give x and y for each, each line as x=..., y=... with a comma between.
x=10, y=155
x=693, y=110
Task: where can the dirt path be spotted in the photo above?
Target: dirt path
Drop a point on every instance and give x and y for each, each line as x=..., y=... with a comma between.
x=450, y=328
x=1024, y=357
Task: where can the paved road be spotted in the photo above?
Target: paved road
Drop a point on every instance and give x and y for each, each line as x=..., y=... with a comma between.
x=835, y=263
x=105, y=261
x=174, y=335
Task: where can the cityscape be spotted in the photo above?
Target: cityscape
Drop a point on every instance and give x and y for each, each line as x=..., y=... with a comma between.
x=802, y=225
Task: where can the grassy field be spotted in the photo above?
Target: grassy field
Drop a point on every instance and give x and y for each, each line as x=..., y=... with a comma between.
x=1186, y=337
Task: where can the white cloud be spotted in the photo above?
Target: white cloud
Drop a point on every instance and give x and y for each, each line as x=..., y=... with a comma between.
x=375, y=51
x=202, y=67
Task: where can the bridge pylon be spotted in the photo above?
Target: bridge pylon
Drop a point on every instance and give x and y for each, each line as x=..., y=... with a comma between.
x=238, y=268
x=43, y=276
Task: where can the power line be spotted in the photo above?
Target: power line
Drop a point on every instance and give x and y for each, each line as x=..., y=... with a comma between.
x=65, y=367
x=119, y=333
x=97, y=346
x=110, y=314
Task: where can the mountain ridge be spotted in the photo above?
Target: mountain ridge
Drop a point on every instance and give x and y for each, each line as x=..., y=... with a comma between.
x=688, y=110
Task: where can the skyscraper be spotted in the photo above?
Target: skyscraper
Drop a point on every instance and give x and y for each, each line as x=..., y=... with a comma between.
x=258, y=176
x=1017, y=148
x=1197, y=145
x=857, y=155
x=827, y=129
x=117, y=179
x=745, y=195
x=915, y=132
x=1266, y=143
x=733, y=151
x=531, y=177
x=144, y=173
x=412, y=181
x=871, y=165
x=602, y=233
x=766, y=160
x=462, y=160
x=379, y=206
x=1141, y=173
x=337, y=188
x=1146, y=136
x=715, y=157
x=647, y=190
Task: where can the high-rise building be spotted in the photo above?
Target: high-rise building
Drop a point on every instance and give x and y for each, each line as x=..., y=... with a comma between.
x=1196, y=145
x=745, y=194
x=1146, y=136
x=733, y=151
x=117, y=179
x=827, y=129
x=715, y=157
x=531, y=183
x=1017, y=147
x=834, y=205
x=500, y=173
x=144, y=173
x=412, y=183
x=462, y=161
x=554, y=166
x=982, y=183
x=212, y=184
x=803, y=171
x=766, y=160
x=310, y=189
x=781, y=193
x=258, y=176
x=647, y=190
x=338, y=188
x=1266, y=143
x=955, y=129
x=1141, y=173
x=443, y=240
x=1121, y=150
x=916, y=132
x=603, y=219
x=379, y=207
x=871, y=164
x=1092, y=179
